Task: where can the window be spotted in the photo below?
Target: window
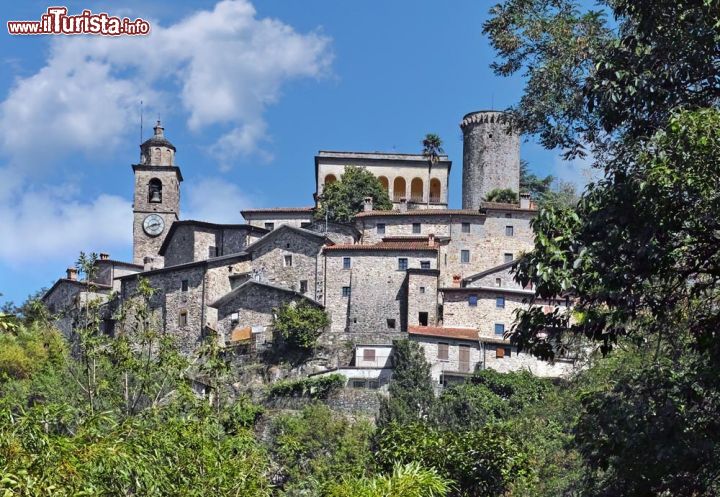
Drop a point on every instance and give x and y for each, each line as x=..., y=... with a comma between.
x=443, y=351
x=270, y=226
x=498, y=282
x=374, y=384
x=155, y=191
x=509, y=231
x=305, y=224
x=500, y=302
x=358, y=383
x=422, y=289
x=288, y=260
x=380, y=228
x=402, y=264
x=417, y=228
x=346, y=291
x=508, y=257
x=369, y=355
x=503, y=352
x=391, y=324
x=346, y=262
x=184, y=285
x=508, y=214
x=212, y=251
x=303, y=286
x=499, y=329
x=424, y=264
x=423, y=318
x=472, y=300
x=465, y=256
x=182, y=319
x=466, y=227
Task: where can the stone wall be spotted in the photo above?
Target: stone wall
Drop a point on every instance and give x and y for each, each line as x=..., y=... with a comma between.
x=181, y=247
x=378, y=289
x=295, y=219
x=254, y=308
x=491, y=156
x=268, y=260
x=422, y=296
x=505, y=276
x=458, y=312
x=517, y=361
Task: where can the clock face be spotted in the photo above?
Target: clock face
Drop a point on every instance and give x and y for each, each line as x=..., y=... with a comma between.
x=153, y=225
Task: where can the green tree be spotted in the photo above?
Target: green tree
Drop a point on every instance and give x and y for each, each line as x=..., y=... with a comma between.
x=532, y=183
x=341, y=200
x=503, y=195
x=411, y=393
x=300, y=324
x=310, y=462
x=410, y=480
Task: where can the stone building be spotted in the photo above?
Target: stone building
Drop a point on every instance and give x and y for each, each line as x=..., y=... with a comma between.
x=423, y=271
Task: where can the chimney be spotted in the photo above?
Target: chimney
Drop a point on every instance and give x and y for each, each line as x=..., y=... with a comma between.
x=72, y=273
x=431, y=240
x=148, y=263
x=456, y=280
x=525, y=200
x=104, y=256
x=368, y=205
x=403, y=204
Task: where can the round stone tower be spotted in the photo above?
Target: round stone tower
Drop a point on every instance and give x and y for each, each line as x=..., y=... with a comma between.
x=491, y=156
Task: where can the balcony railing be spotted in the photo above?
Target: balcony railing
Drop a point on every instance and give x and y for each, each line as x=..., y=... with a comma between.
x=418, y=199
x=435, y=199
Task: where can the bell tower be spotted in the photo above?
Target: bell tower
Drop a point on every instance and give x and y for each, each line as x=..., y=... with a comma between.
x=156, y=203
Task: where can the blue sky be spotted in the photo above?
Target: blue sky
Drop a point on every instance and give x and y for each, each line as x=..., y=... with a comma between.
x=248, y=93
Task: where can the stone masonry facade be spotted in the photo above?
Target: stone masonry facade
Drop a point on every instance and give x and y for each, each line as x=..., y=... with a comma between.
x=440, y=276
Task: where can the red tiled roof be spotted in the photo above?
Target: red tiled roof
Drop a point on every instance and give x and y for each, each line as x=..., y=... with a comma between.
x=442, y=332
x=422, y=212
x=505, y=206
x=277, y=209
x=400, y=245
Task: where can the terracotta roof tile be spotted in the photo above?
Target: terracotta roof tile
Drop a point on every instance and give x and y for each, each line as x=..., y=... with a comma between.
x=505, y=206
x=394, y=245
x=422, y=212
x=442, y=332
x=277, y=209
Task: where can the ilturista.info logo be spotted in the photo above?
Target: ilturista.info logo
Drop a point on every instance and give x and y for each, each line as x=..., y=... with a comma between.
x=56, y=21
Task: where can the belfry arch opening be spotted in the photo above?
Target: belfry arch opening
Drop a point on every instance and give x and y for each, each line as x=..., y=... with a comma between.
x=330, y=178
x=399, y=189
x=435, y=191
x=155, y=191
x=416, y=190
x=385, y=183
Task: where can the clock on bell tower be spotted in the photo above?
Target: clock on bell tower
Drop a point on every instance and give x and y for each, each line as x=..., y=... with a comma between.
x=156, y=202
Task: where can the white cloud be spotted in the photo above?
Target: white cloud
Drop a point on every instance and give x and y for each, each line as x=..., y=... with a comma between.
x=215, y=200
x=44, y=223
x=221, y=67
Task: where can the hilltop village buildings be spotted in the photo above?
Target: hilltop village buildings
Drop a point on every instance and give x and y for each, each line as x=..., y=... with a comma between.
x=423, y=271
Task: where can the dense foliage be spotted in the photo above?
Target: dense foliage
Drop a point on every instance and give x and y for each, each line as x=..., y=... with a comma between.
x=300, y=325
x=319, y=387
x=341, y=200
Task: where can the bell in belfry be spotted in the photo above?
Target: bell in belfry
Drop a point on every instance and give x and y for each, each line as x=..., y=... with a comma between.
x=155, y=196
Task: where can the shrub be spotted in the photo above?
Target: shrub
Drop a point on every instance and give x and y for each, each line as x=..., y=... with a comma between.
x=319, y=387
x=300, y=324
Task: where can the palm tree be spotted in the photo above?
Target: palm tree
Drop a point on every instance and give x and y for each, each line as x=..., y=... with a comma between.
x=432, y=148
